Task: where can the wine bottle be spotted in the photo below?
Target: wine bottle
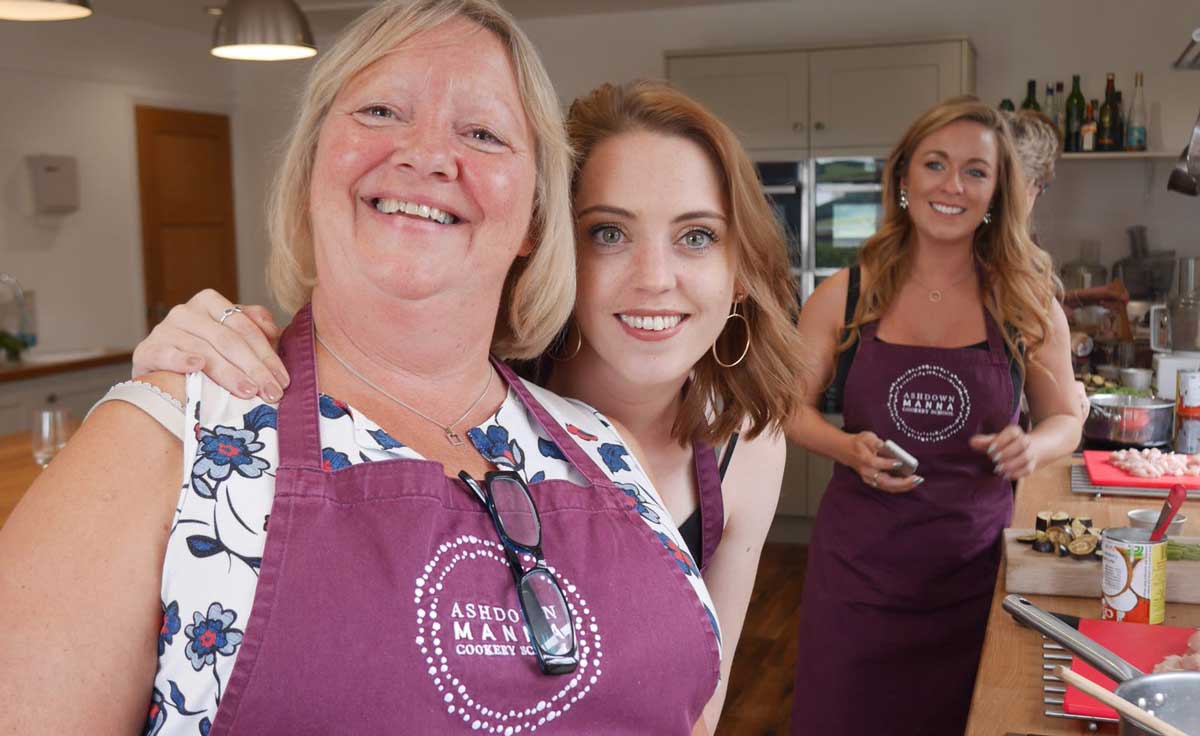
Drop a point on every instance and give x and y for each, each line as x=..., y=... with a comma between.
x=1087, y=131
x=1030, y=102
x=1135, y=124
x=1060, y=113
x=1076, y=107
x=1119, y=113
x=1105, y=117
x=1007, y=104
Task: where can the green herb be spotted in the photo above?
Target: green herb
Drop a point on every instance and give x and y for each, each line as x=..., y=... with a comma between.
x=1181, y=551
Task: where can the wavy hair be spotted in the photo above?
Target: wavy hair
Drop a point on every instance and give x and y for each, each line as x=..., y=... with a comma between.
x=1018, y=277
x=766, y=387
x=539, y=290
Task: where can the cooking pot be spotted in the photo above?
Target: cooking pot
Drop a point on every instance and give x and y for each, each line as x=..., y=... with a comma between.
x=1129, y=420
x=1172, y=696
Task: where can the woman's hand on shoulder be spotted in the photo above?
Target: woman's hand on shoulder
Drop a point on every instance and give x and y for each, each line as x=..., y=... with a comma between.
x=239, y=355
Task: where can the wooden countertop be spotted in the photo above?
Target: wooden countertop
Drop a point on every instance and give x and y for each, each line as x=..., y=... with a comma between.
x=1008, y=689
x=17, y=471
x=22, y=371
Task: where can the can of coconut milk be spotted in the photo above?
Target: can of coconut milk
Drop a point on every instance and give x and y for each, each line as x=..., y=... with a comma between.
x=1133, y=581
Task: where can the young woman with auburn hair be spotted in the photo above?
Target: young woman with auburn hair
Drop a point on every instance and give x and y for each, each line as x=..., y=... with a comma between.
x=682, y=328
x=949, y=316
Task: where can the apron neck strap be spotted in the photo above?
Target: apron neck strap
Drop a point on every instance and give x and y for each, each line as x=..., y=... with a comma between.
x=299, y=434
x=575, y=454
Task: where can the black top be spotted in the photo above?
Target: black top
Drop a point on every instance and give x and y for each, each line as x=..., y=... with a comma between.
x=832, y=402
x=690, y=528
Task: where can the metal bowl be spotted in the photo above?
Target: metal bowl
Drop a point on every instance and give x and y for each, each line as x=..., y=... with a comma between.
x=1146, y=519
x=1129, y=420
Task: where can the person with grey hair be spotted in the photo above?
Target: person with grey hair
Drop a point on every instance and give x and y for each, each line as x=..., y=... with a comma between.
x=412, y=539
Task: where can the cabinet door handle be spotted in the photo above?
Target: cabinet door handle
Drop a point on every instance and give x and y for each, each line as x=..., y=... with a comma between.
x=819, y=125
x=797, y=127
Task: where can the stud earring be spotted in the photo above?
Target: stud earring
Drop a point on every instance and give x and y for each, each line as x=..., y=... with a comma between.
x=987, y=217
x=903, y=198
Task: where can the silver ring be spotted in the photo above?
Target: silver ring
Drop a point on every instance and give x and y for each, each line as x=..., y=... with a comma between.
x=236, y=308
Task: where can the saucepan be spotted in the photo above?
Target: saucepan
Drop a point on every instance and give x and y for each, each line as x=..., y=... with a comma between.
x=1172, y=696
x=1130, y=420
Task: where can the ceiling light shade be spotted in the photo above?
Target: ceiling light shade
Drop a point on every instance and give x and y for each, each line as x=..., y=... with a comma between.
x=44, y=9
x=262, y=30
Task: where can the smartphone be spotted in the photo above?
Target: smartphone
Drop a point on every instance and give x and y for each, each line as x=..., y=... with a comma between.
x=908, y=462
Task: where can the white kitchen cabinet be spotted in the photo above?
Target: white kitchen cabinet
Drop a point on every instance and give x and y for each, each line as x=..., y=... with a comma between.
x=76, y=391
x=835, y=99
x=762, y=97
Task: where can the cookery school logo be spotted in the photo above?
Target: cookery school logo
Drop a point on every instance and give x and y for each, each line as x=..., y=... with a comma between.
x=451, y=630
x=928, y=403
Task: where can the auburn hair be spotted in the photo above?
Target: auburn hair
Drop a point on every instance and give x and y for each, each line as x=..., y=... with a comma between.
x=766, y=387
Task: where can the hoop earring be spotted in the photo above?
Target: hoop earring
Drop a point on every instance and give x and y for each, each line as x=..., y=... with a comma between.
x=903, y=198
x=558, y=343
x=987, y=217
x=745, y=350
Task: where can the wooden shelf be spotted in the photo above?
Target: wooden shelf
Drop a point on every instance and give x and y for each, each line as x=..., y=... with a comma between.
x=1118, y=156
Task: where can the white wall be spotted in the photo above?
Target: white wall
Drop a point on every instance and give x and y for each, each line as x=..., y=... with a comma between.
x=1016, y=40
x=70, y=88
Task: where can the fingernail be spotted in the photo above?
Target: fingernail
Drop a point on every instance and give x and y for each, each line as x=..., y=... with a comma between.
x=917, y=480
x=273, y=393
x=281, y=378
x=995, y=456
x=992, y=449
x=999, y=469
x=247, y=389
x=897, y=465
x=194, y=364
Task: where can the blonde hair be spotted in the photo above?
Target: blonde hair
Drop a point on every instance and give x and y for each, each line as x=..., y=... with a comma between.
x=1019, y=284
x=539, y=290
x=1037, y=141
x=766, y=387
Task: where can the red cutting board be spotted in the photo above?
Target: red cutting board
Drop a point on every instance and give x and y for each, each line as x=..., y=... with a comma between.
x=1141, y=645
x=1103, y=473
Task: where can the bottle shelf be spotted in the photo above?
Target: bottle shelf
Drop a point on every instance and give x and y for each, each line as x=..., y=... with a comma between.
x=1118, y=156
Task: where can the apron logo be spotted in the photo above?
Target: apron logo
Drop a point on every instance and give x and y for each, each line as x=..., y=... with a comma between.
x=928, y=403
x=474, y=628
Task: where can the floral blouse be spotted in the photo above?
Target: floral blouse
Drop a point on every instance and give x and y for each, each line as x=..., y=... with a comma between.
x=215, y=548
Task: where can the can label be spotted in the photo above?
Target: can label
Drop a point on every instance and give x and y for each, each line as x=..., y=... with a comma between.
x=1187, y=434
x=1134, y=579
x=1187, y=393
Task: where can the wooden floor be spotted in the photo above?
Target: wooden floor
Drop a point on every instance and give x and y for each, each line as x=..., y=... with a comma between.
x=759, y=698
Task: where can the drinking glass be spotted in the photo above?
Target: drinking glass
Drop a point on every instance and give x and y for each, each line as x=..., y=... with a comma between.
x=51, y=429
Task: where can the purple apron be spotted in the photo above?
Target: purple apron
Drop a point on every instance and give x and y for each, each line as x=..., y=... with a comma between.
x=712, y=505
x=385, y=604
x=899, y=586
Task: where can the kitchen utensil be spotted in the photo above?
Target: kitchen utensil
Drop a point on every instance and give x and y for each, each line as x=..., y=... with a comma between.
x=1109, y=371
x=1142, y=718
x=1088, y=304
x=1136, y=378
x=1104, y=473
x=1041, y=573
x=1173, y=696
x=1181, y=180
x=1084, y=272
x=1182, y=315
x=1129, y=420
x=1146, y=518
x=1169, y=509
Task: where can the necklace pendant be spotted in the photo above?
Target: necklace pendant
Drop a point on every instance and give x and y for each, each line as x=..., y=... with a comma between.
x=935, y=296
x=454, y=438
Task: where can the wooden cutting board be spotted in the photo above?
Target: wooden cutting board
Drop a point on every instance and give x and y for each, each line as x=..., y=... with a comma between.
x=1104, y=473
x=1041, y=573
x=1141, y=645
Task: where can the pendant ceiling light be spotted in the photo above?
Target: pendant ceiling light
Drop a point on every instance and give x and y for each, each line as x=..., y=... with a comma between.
x=44, y=9
x=262, y=30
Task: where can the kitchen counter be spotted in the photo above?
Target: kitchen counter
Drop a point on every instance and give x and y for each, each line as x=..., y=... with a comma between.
x=17, y=471
x=23, y=371
x=1008, y=688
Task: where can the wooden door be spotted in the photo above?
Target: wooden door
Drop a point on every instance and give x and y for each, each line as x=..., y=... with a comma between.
x=763, y=97
x=186, y=182
x=869, y=96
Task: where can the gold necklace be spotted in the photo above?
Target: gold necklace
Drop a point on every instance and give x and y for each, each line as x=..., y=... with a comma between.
x=935, y=295
x=451, y=436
